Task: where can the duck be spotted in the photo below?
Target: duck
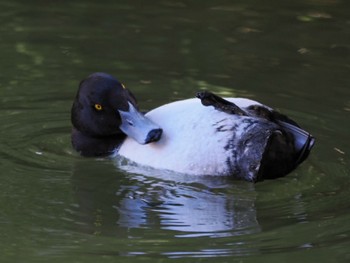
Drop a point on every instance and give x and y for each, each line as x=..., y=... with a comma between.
x=205, y=135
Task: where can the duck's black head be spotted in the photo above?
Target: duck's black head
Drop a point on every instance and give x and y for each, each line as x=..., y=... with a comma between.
x=104, y=112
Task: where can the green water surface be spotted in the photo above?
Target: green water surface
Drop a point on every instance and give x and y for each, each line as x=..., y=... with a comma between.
x=56, y=206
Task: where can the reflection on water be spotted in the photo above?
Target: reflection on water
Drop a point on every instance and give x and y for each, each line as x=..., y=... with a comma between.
x=240, y=216
x=190, y=206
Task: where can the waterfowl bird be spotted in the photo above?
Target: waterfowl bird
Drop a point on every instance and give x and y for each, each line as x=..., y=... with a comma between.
x=207, y=135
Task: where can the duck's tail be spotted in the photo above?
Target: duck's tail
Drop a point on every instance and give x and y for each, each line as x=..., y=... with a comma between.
x=303, y=141
x=285, y=151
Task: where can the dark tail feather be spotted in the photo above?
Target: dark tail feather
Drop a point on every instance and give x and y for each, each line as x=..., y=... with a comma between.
x=284, y=151
x=304, y=141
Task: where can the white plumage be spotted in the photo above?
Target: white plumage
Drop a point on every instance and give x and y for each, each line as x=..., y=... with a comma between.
x=193, y=141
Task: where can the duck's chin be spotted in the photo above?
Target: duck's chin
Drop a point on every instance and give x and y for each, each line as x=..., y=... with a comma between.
x=90, y=146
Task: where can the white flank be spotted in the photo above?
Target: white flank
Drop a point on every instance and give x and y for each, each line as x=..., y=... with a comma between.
x=191, y=142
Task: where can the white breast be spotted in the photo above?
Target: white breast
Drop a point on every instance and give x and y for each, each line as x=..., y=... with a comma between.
x=193, y=141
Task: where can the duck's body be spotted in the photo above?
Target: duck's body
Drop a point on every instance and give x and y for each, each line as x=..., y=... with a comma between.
x=196, y=139
x=202, y=140
x=231, y=136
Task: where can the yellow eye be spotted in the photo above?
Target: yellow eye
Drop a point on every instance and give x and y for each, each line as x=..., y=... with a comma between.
x=98, y=106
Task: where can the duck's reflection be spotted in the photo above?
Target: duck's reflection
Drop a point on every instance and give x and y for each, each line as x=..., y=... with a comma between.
x=113, y=203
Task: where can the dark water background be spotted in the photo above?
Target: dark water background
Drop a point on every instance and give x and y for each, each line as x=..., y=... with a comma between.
x=59, y=207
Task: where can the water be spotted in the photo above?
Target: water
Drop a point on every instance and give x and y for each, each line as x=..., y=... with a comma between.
x=57, y=206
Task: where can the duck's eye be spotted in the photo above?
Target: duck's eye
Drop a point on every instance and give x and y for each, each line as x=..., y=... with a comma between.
x=98, y=107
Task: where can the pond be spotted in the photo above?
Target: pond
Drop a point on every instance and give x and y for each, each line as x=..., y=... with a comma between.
x=57, y=206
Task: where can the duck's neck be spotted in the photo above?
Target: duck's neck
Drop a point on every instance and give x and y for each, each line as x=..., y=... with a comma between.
x=95, y=146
